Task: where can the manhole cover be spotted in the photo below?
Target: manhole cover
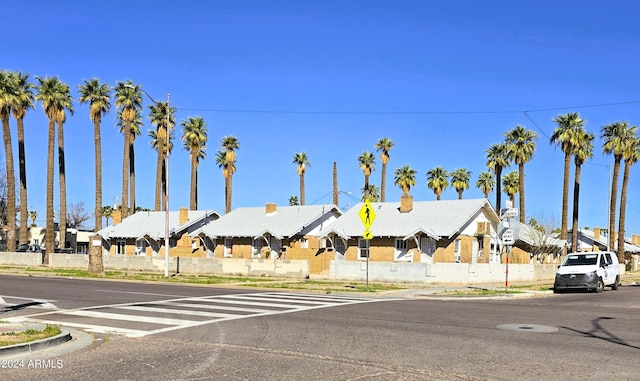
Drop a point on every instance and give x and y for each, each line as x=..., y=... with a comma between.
x=527, y=328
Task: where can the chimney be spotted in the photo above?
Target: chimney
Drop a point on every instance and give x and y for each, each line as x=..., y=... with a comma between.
x=116, y=217
x=406, y=203
x=270, y=208
x=596, y=233
x=184, y=215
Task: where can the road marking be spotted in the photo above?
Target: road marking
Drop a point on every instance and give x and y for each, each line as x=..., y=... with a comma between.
x=142, y=293
x=43, y=303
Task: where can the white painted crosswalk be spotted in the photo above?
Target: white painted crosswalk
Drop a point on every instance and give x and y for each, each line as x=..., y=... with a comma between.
x=146, y=318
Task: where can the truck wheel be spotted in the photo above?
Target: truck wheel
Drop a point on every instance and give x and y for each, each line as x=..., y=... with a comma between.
x=600, y=286
x=616, y=284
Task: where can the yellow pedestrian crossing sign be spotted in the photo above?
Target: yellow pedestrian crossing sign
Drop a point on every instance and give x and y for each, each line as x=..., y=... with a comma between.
x=367, y=215
x=367, y=234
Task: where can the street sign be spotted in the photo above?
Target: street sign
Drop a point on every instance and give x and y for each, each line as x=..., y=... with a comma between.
x=367, y=234
x=367, y=215
x=507, y=237
x=508, y=213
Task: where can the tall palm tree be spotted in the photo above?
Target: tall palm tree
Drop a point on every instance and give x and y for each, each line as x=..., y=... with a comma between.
x=163, y=135
x=23, y=101
x=7, y=99
x=194, y=140
x=405, y=178
x=582, y=152
x=565, y=136
x=64, y=104
x=511, y=185
x=302, y=161
x=497, y=158
x=631, y=155
x=134, y=127
x=384, y=146
x=226, y=159
x=460, y=179
x=616, y=137
x=437, y=181
x=129, y=101
x=48, y=93
x=98, y=95
x=521, y=145
x=485, y=183
x=366, y=162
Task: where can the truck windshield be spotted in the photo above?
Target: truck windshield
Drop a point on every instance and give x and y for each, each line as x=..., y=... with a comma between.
x=580, y=260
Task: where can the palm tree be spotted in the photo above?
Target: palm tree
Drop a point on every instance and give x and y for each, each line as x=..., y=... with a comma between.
x=565, y=136
x=107, y=210
x=497, y=158
x=384, y=146
x=302, y=161
x=48, y=90
x=511, y=185
x=582, y=151
x=437, y=181
x=374, y=193
x=64, y=102
x=129, y=101
x=631, y=155
x=521, y=147
x=366, y=162
x=134, y=126
x=293, y=201
x=163, y=144
x=194, y=140
x=98, y=95
x=7, y=100
x=460, y=179
x=405, y=178
x=485, y=183
x=226, y=159
x=33, y=214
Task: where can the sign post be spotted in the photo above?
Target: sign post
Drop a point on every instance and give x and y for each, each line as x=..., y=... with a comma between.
x=508, y=230
x=367, y=215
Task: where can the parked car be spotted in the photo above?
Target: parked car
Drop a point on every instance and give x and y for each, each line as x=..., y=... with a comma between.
x=590, y=271
x=28, y=248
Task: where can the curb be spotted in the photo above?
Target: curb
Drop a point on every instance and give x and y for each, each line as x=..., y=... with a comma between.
x=37, y=345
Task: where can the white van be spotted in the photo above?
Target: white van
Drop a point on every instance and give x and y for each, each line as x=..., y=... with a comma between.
x=589, y=270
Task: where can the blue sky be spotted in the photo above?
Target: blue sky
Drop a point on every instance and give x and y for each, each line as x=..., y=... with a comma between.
x=443, y=79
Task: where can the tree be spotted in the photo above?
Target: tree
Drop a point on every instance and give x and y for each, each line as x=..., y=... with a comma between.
x=437, y=181
x=77, y=216
x=302, y=161
x=485, y=183
x=384, y=146
x=194, y=140
x=582, y=152
x=64, y=104
x=22, y=102
x=405, y=178
x=134, y=126
x=497, y=159
x=128, y=99
x=293, y=201
x=374, y=193
x=48, y=93
x=460, y=179
x=631, y=155
x=163, y=144
x=565, y=136
x=521, y=145
x=107, y=211
x=542, y=235
x=366, y=162
x=226, y=159
x=7, y=100
x=33, y=214
x=98, y=95
x=616, y=138
x=511, y=185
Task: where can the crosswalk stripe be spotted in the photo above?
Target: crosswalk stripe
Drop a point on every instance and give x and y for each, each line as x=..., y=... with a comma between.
x=88, y=327
x=214, y=307
x=175, y=311
x=114, y=316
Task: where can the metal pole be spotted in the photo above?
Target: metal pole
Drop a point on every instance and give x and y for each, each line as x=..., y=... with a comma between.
x=166, y=195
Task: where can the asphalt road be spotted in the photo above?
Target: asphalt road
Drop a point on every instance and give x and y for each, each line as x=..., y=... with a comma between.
x=573, y=336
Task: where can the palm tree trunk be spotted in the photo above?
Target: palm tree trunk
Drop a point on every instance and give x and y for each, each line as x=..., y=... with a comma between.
x=227, y=193
x=63, y=187
x=125, y=173
x=383, y=182
x=98, y=158
x=565, y=198
x=498, y=170
x=50, y=234
x=11, y=186
x=193, y=204
x=460, y=194
x=24, y=213
x=335, y=184
x=612, y=203
x=576, y=198
x=132, y=175
x=159, y=167
x=623, y=211
x=366, y=187
x=302, y=189
x=521, y=195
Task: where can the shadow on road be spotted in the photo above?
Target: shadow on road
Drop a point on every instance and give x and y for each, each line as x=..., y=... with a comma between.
x=599, y=332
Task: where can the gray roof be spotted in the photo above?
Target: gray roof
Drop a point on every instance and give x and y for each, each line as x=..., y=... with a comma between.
x=287, y=221
x=152, y=224
x=442, y=218
x=533, y=237
x=604, y=240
